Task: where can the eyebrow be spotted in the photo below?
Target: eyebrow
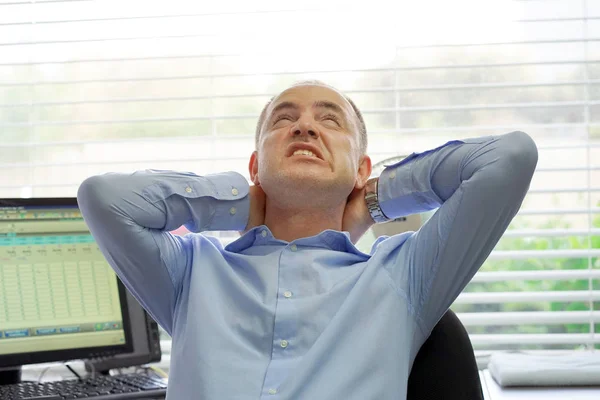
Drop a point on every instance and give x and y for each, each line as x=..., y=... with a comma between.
x=283, y=106
x=329, y=105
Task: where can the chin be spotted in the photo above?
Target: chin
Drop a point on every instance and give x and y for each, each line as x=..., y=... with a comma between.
x=313, y=175
x=304, y=187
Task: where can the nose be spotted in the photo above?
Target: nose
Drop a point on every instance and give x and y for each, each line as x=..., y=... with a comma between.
x=305, y=127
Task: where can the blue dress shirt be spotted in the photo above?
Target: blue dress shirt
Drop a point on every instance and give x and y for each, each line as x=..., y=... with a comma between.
x=314, y=318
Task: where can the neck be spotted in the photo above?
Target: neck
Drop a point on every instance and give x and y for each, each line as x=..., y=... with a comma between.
x=294, y=223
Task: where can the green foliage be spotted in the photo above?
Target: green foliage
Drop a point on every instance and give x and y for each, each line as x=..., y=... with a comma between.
x=533, y=264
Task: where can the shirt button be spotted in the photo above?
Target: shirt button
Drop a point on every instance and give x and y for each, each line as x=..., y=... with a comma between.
x=234, y=192
x=284, y=343
x=263, y=234
x=232, y=210
x=272, y=391
x=287, y=294
x=188, y=189
x=392, y=175
x=294, y=247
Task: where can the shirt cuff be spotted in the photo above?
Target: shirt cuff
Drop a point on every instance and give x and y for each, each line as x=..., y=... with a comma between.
x=210, y=202
x=404, y=188
x=232, y=208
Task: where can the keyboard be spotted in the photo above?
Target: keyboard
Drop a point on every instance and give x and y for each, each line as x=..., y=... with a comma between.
x=117, y=387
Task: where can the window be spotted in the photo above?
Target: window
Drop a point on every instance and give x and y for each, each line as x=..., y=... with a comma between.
x=87, y=87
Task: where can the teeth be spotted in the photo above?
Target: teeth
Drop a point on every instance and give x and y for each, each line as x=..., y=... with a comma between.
x=304, y=152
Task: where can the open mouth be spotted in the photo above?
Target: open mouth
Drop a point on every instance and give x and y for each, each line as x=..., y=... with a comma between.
x=304, y=153
x=305, y=150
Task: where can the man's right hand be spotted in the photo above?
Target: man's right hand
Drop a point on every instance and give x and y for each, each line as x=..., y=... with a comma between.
x=257, y=207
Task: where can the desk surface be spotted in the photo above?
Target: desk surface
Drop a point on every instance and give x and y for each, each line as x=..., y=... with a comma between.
x=493, y=391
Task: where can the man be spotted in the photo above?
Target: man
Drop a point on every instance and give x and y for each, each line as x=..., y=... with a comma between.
x=292, y=310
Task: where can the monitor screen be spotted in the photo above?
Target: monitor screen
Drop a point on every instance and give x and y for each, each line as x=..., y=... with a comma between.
x=59, y=298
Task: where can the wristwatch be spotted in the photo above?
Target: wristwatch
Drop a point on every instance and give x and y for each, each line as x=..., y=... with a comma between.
x=372, y=200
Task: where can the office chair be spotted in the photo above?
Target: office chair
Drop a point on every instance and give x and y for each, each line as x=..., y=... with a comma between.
x=445, y=366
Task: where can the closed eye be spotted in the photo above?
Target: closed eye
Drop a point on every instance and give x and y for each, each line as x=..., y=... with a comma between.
x=332, y=117
x=283, y=117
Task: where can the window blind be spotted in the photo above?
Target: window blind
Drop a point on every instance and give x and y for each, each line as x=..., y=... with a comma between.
x=88, y=87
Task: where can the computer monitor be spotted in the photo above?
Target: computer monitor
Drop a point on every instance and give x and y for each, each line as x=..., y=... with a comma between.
x=59, y=298
x=145, y=337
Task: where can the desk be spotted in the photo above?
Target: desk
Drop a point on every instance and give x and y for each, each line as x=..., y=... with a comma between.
x=493, y=391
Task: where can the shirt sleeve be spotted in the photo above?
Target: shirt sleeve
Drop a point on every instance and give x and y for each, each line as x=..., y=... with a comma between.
x=478, y=185
x=130, y=216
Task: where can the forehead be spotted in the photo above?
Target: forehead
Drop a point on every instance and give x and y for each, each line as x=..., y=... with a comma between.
x=305, y=95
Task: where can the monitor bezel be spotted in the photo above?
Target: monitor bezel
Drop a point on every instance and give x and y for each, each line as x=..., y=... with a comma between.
x=18, y=359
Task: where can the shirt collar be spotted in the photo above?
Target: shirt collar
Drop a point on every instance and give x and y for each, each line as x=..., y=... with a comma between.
x=330, y=239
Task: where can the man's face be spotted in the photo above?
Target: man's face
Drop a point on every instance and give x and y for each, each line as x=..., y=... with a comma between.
x=309, y=141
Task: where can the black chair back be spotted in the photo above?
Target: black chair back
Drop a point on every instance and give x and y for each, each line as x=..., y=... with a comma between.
x=445, y=367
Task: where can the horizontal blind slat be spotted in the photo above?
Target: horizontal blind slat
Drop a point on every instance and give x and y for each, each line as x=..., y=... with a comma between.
x=533, y=339
x=515, y=297
x=535, y=275
x=246, y=12
x=263, y=53
x=507, y=85
x=524, y=254
x=529, y=318
x=142, y=17
x=258, y=36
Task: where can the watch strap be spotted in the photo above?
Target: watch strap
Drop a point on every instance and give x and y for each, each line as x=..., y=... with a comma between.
x=372, y=200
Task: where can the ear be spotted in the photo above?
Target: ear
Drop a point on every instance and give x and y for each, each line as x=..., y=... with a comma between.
x=364, y=171
x=253, y=168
